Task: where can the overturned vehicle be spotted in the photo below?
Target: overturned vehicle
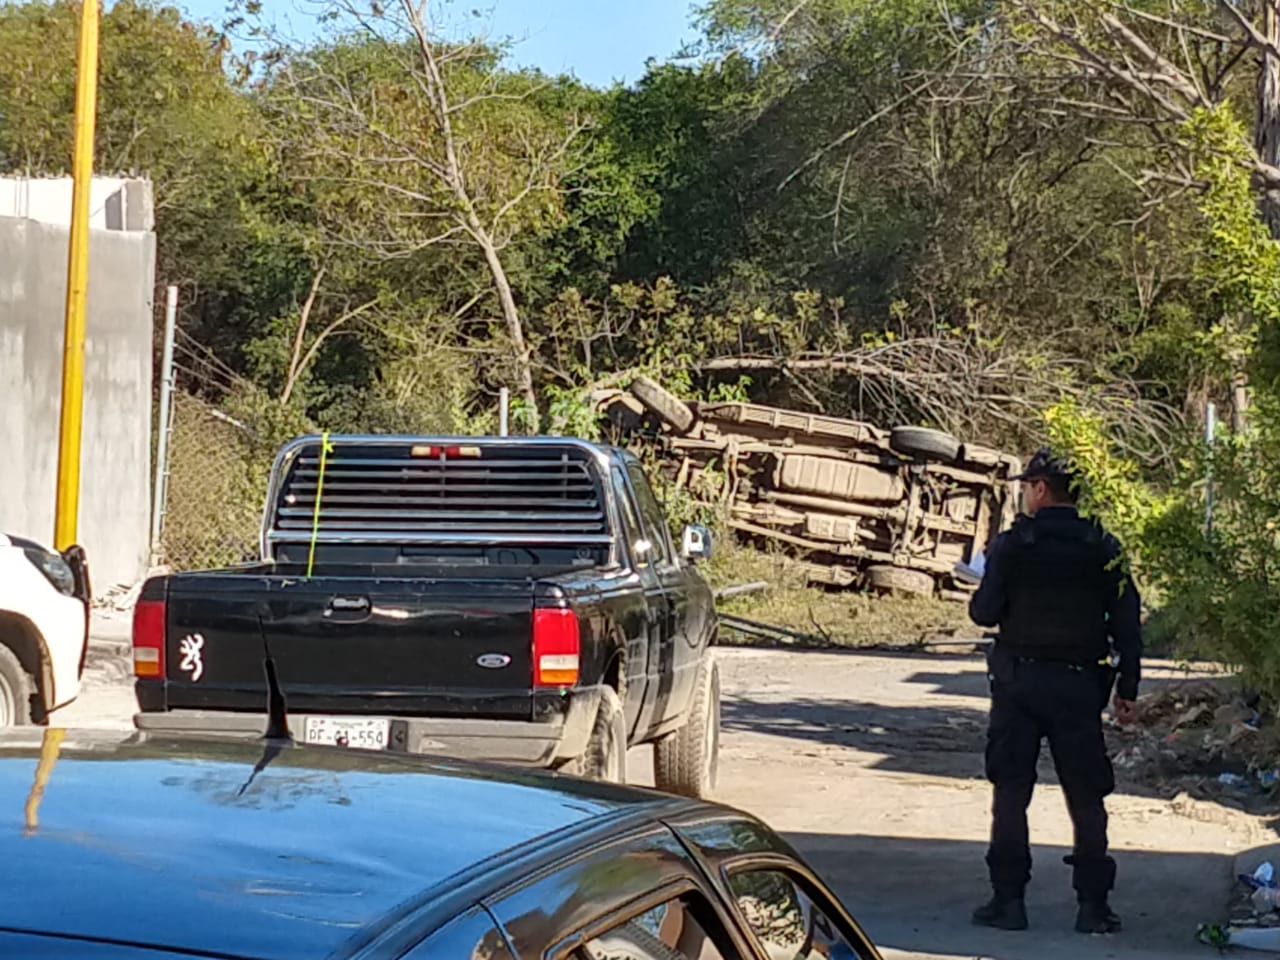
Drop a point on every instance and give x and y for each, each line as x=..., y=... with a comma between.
x=886, y=510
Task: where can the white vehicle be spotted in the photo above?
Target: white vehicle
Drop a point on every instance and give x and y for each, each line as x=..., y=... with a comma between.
x=44, y=629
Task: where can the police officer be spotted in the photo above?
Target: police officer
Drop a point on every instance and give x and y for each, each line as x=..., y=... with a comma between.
x=1055, y=586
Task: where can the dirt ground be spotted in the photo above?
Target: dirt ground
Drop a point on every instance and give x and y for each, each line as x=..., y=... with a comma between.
x=871, y=764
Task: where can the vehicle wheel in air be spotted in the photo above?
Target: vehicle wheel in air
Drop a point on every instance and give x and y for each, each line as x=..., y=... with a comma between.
x=900, y=580
x=17, y=691
x=925, y=442
x=606, y=756
x=662, y=403
x=687, y=761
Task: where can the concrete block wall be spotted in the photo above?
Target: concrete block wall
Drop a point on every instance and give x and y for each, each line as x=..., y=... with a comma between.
x=115, y=203
x=115, y=497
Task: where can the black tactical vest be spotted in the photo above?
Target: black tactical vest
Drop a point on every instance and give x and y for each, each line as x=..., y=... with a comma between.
x=1059, y=586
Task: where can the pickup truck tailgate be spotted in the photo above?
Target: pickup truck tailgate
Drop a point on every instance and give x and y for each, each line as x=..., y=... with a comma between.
x=398, y=646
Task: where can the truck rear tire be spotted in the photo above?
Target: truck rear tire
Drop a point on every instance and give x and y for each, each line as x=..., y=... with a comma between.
x=606, y=755
x=663, y=404
x=687, y=761
x=900, y=580
x=17, y=691
x=925, y=443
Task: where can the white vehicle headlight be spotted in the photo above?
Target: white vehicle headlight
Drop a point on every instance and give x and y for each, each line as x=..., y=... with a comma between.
x=56, y=570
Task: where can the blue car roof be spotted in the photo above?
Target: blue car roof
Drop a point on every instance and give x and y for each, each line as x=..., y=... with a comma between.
x=182, y=846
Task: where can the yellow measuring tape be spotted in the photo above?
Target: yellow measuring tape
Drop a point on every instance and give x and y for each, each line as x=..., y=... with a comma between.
x=326, y=448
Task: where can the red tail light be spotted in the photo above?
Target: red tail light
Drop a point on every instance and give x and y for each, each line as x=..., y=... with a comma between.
x=422, y=450
x=557, y=646
x=148, y=638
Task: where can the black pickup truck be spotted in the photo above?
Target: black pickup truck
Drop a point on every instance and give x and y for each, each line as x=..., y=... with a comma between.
x=509, y=599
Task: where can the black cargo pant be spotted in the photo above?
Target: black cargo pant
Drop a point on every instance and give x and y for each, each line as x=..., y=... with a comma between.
x=1031, y=701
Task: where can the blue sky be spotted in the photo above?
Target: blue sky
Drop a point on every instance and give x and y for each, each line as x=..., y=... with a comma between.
x=598, y=41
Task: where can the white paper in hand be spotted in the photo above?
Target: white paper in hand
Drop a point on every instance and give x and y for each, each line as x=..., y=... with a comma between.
x=972, y=571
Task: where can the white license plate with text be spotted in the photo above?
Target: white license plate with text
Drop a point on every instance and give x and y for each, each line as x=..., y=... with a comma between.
x=361, y=733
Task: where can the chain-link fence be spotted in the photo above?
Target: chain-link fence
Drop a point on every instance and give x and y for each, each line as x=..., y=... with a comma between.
x=217, y=481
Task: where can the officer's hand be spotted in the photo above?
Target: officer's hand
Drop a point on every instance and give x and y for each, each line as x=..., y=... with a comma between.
x=1126, y=710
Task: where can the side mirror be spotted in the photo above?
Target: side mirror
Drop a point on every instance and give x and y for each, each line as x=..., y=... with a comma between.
x=696, y=542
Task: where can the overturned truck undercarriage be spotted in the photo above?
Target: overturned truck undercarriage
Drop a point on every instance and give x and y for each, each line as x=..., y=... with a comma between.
x=888, y=510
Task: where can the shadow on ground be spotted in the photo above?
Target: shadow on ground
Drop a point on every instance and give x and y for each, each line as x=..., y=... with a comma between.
x=916, y=896
x=941, y=740
x=972, y=684
x=933, y=740
x=964, y=652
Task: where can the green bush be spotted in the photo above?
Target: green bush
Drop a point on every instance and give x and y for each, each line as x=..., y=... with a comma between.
x=1214, y=575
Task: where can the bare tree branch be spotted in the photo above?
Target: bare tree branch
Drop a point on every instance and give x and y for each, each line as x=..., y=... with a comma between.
x=295, y=357
x=296, y=370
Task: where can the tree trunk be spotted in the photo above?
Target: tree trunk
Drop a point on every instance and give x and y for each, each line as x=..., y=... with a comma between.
x=515, y=326
x=1267, y=129
x=455, y=178
x=299, y=337
x=1239, y=401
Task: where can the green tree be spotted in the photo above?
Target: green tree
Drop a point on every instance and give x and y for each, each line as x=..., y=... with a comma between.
x=168, y=111
x=406, y=142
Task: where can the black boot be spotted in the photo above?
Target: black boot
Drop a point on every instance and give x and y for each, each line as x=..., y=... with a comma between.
x=1002, y=913
x=1095, y=916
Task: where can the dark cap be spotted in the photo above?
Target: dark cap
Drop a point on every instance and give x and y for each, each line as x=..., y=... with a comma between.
x=1045, y=465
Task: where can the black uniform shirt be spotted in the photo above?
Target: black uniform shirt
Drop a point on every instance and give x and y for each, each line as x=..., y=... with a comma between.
x=990, y=605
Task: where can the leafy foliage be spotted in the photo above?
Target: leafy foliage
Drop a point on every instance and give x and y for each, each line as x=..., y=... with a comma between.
x=1206, y=543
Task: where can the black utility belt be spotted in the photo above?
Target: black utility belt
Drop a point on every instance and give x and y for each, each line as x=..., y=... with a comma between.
x=1065, y=664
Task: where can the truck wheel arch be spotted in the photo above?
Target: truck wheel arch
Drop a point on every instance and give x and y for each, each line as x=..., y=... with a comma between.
x=615, y=671
x=27, y=643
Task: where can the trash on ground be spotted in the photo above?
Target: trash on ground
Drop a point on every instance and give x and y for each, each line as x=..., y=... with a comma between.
x=1204, y=736
x=1265, y=899
x=1263, y=876
x=1192, y=716
x=1213, y=935
x=1255, y=912
x=1254, y=938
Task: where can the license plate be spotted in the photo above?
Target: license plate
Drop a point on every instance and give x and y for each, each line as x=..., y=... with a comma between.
x=362, y=733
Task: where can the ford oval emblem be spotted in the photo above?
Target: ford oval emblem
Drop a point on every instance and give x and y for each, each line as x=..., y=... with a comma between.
x=493, y=661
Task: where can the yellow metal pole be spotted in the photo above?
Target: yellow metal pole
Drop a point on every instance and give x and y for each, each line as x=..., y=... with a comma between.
x=66, y=517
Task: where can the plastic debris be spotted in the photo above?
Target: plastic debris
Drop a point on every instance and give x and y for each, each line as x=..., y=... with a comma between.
x=1231, y=713
x=1193, y=714
x=1240, y=732
x=1127, y=759
x=1213, y=935
x=1231, y=780
x=1255, y=938
x=1268, y=778
x=1265, y=900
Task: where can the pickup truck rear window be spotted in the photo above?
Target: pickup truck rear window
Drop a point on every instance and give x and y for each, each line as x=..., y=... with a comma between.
x=406, y=491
